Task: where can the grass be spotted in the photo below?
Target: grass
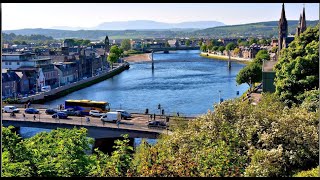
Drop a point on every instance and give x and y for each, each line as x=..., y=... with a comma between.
x=223, y=58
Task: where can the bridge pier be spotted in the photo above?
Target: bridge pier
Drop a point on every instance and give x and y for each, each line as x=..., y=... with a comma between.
x=152, y=60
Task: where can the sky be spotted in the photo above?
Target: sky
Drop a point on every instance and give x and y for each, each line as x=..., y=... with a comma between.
x=47, y=15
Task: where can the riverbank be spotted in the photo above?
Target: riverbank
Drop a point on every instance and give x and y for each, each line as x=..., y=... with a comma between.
x=221, y=57
x=138, y=57
x=75, y=86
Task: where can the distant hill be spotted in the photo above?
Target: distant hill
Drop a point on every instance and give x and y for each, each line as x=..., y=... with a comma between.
x=146, y=24
x=264, y=29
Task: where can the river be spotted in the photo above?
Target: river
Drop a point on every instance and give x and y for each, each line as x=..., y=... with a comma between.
x=182, y=81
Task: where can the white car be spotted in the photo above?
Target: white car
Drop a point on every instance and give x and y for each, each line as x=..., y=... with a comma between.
x=96, y=113
x=124, y=114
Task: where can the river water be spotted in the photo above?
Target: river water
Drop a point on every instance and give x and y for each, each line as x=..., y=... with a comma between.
x=182, y=81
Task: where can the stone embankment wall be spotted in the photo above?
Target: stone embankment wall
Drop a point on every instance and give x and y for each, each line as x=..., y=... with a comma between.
x=66, y=89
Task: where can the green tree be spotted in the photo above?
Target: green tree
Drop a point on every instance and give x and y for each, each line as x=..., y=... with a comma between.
x=221, y=49
x=215, y=48
x=209, y=47
x=252, y=40
x=250, y=74
x=230, y=46
x=125, y=44
x=297, y=70
x=112, y=58
x=188, y=42
x=59, y=153
x=262, y=55
x=203, y=48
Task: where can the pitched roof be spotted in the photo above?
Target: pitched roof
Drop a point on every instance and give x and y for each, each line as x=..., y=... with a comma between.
x=10, y=76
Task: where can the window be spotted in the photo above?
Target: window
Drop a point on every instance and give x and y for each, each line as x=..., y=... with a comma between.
x=18, y=63
x=6, y=63
x=9, y=63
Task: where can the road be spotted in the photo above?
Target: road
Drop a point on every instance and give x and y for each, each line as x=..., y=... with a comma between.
x=137, y=122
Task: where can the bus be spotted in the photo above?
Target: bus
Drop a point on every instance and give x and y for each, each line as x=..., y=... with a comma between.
x=84, y=106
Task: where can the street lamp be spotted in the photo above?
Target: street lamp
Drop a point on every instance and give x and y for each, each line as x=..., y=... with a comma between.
x=219, y=96
x=59, y=79
x=77, y=75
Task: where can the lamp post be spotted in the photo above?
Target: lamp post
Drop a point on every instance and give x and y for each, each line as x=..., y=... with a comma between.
x=59, y=79
x=77, y=75
x=219, y=96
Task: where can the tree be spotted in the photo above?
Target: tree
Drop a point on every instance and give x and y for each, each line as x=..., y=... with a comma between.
x=215, y=48
x=250, y=74
x=221, y=49
x=297, y=70
x=209, y=47
x=112, y=58
x=167, y=44
x=125, y=44
x=188, y=42
x=116, y=50
x=262, y=55
x=230, y=46
x=203, y=48
x=252, y=40
x=57, y=153
x=236, y=51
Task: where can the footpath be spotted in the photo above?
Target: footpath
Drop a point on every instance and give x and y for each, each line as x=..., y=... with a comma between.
x=222, y=57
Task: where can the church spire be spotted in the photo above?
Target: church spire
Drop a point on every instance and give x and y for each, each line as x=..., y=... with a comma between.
x=283, y=13
x=283, y=29
x=303, y=25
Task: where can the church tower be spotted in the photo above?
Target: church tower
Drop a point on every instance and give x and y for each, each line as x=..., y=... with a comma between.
x=283, y=29
x=302, y=26
x=106, y=45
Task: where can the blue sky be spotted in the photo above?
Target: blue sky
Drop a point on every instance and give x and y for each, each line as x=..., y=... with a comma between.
x=46, y=15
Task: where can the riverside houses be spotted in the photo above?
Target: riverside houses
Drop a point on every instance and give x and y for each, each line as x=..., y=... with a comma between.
x=36, y=71
x=67, y=72
x=10, y=84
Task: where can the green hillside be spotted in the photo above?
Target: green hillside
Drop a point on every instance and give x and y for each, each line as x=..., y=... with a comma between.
x=264, y=29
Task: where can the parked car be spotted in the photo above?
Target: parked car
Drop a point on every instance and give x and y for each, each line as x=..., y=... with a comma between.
x=111, y=117
x=124, y=114
x=10, y=109
x=71, y=112
x=60, y=115
x=31, y=111
x=51, y=111
x=157, y=124
x=96, y=113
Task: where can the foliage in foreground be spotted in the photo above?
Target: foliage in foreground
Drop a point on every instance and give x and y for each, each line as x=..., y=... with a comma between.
x=315, y=172
x=298, y=68
x=237, y=139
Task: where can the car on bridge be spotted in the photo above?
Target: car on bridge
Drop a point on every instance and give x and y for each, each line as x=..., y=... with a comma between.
x=31, y=111
x=71, y=112
x=60, y=115
x=124, y=114
x=96, y=113
x=51, y=111
x=157, y=124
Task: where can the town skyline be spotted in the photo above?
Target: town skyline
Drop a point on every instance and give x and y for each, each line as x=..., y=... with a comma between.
x=174, y=13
